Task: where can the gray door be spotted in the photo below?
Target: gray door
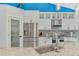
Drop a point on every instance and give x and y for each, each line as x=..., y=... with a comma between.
x=15, y=27
x=28, y=35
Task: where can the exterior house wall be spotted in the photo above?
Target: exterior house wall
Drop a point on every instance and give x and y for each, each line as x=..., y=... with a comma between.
x=44, y=24
x=67, y=24
x=17, y=14
x=70, y=24
x=9, y=12
x=3, y=27
x=33, y=17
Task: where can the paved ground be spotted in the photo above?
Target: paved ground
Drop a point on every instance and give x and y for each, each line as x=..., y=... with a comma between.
x=69, y=49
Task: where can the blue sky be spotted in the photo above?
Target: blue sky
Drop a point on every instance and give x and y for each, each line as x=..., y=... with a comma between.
x=43, y=7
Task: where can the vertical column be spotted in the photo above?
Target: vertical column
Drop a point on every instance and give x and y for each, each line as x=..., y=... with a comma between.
x=34, y=35
x=9, y=32
x=57, y=40
x=21, y=33
x=37, y=35
x=76, y=17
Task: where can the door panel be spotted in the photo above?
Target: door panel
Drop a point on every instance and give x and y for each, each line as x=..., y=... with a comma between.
x=15, y=27
x=28, y=35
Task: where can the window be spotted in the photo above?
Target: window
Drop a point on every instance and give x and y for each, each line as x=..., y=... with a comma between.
x=41, y=15
x=58, y=15
x=71, y=16
x=68, y=16
x=56, y=23
x=53, y=16
x=47, y=16
x=65, y=16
